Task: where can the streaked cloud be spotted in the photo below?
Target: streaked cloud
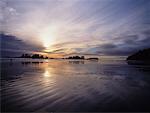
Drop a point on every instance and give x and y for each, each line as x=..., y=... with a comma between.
x=111, y=27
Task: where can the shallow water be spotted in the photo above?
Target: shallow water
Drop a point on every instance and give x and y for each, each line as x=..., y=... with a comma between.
x=74, y=85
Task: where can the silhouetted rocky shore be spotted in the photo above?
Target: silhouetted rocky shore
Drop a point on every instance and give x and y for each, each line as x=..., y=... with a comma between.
x=140, y=57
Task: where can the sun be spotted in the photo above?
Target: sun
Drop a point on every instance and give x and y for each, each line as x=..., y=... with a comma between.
x=47, y=38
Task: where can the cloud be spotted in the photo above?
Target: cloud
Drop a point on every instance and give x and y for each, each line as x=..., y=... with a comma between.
x=56, y=51
x=110, y=27
x=12, y=46
x=128, y=45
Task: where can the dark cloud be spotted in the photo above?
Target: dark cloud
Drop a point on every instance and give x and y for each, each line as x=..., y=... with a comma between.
x=108, y=46
x=128, y=45
x=139, y=42
x=11, y=46
x=80, y=26
x=147, y=33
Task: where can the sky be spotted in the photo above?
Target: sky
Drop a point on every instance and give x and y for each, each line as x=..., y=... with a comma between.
x=85, y=27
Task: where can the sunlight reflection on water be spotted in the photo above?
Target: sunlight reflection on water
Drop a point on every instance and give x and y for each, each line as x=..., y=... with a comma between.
x=47, y=74
x=62, y=85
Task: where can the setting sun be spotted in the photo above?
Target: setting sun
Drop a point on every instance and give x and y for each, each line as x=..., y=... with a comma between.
x=47, y=41
x=47, y=37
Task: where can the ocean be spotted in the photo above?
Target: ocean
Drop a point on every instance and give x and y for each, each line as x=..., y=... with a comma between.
x=29, y=85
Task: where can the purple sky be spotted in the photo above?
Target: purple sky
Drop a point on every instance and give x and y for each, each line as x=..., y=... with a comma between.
x=62, y=27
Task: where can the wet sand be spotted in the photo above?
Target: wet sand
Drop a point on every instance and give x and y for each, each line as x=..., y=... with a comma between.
x=68, y=85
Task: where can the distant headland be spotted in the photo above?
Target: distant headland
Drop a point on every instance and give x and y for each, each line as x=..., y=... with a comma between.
x=140, y=57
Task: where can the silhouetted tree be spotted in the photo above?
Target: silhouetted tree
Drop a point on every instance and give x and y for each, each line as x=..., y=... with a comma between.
x=35, y=56
x=82, y=57
x=25, y=56
x=143, y=55
x=75, y=57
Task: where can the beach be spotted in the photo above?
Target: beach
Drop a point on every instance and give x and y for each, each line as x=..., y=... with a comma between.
x=46, y=85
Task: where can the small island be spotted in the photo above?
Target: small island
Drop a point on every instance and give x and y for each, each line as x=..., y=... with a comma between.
x=76, y=57
x=38, y=56
x=140, y=57
x=33, y=56
x=93, y=58
x=81, y=58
